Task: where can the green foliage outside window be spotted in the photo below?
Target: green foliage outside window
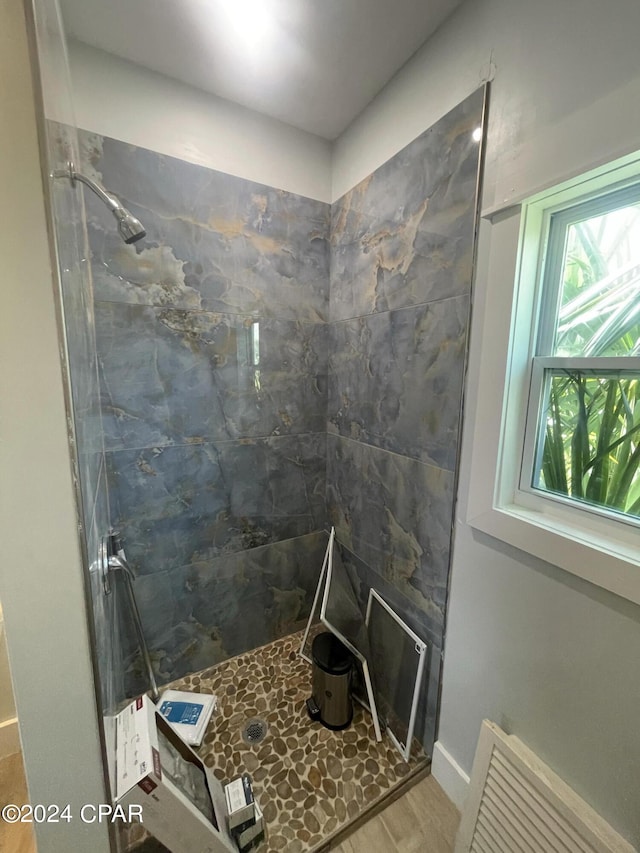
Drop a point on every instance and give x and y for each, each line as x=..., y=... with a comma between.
x=591, y=446
x=591, y=437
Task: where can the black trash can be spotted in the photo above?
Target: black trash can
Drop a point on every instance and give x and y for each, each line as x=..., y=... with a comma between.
x=332, y=667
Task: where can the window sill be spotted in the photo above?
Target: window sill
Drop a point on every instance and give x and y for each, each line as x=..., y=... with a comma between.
x=608, y=561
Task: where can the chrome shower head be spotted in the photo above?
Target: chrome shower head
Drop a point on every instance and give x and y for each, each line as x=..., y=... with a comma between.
x=129, y=228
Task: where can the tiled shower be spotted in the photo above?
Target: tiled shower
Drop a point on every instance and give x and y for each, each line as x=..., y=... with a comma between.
x=260, y=367
x=270, y=365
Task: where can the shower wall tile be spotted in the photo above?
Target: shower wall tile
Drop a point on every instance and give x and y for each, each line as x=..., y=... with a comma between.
x=175, y=376
x=212, y=344
x=214, y=241
x=181, y=504
x=394, y=513
x=198, y=615
x=404, y=235
x=363, y=578
x=402, y=249
x=396, y=379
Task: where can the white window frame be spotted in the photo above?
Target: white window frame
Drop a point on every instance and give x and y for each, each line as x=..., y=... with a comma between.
x=597, y=547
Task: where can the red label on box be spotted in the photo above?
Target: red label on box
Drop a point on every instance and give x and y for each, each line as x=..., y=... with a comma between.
x=147, y=785
x=138, y=703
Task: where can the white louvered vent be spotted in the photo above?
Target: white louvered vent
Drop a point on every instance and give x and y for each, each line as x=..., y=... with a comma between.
x=516, y=804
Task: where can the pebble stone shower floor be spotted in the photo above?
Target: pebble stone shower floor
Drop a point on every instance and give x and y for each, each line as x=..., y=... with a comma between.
x=310, y=782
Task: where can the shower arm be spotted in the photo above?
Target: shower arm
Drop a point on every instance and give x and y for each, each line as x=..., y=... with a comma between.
x=129, y=227
x=108, y=199
x=70, y=172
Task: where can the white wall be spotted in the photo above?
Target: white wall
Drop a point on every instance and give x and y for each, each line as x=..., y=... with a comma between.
x=565, y=77
x=116, y=98
x=551, y=658
x=41, y=578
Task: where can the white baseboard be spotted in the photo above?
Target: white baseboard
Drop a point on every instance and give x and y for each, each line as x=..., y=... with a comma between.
x=9, y=738
x=449, y=775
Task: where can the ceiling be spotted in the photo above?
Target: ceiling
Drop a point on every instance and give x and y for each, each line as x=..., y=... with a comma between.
x=314, y=64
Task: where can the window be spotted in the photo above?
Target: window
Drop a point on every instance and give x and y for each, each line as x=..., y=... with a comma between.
x=554, y=378
x=582, y=441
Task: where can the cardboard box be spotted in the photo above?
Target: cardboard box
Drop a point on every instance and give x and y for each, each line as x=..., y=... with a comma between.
x=253, y=834
x=240, y=803
x=183, y=804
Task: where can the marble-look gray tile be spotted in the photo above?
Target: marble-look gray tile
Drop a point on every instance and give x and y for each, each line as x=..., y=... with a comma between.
x=402, y=246
x=198, y=615
x=395, y=514
x=175, y=376
x=213, y=353
x=395, y=379
x=363, y=578
x=404, y=235
x=214, y=241
x=180, y=504
x=398, y=188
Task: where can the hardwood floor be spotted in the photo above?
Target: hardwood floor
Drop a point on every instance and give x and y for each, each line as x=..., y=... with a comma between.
x=16, y=837
x=423, y=820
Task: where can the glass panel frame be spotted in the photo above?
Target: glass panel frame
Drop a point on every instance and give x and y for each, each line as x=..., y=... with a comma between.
x=420, y=648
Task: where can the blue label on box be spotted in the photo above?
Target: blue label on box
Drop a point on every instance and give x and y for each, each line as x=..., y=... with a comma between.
x=186, y=713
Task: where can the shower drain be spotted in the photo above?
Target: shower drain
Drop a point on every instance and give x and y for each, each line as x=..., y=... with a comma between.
x=254, y=731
